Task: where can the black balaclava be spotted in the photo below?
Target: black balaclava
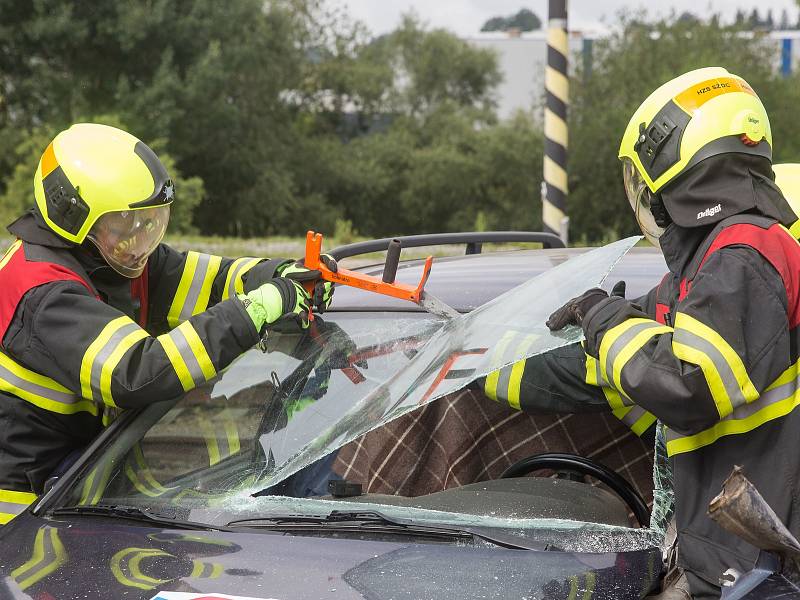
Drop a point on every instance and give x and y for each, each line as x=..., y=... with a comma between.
x=725, y=185
x=717, y=188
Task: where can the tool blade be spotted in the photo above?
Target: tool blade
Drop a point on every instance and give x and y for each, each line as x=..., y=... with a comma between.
x=435, y=306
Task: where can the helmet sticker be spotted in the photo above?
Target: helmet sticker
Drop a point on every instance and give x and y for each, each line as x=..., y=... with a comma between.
x=693, y=98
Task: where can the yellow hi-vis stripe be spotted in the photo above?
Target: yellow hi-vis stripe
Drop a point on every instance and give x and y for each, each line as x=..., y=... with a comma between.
x=208, y=282
x=638, y=419
x=13, y=503
x=42, y=391
x=778, y=400
x=194, y=288
x=490, y=386
x=594, y=377
x=694, y=348
x=94, y=349
x=640, y=331
x=113, y=360
x=10, y=252
x=188, y=355
x=233, y=281
x=189, y=268
x=199, y=350
x=174, y=356
x=517, y=370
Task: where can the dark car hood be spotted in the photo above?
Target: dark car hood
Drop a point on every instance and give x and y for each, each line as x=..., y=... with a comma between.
x=99, y=558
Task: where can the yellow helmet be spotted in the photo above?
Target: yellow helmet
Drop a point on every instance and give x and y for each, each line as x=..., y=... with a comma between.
x=787, y=177
x=100, y=183
x=700, y=114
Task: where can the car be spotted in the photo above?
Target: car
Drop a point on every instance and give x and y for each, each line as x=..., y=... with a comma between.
x=299, y=473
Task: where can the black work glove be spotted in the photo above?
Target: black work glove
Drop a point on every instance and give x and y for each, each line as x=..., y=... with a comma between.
x=572, y=312
x=323, y=290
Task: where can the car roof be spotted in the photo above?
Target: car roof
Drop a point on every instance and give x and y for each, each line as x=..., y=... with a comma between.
x=466, y=282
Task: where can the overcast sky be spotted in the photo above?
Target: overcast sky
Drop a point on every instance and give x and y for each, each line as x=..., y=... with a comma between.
x=465, y=17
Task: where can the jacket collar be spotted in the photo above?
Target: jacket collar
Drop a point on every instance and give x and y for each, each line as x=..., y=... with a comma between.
x=31, y=228
x=680, y=245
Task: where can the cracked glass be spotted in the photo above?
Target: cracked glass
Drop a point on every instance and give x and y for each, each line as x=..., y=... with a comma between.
x=261, y=438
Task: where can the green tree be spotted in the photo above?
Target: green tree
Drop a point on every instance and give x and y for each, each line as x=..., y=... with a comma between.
x=628, y=66
x=524, y=20
x=18, y=195
x=206, y=77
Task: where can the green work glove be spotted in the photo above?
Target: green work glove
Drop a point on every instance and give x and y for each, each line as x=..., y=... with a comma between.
x=277, y=300
x=323, y=290
x=293, y=407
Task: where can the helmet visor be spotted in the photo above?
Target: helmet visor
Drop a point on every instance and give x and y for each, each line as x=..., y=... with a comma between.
x=126, y=238
x=639, y=196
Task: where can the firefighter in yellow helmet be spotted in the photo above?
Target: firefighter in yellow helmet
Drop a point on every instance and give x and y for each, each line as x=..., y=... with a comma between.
x=96, y=314
x=712, y=352
x=787, y=177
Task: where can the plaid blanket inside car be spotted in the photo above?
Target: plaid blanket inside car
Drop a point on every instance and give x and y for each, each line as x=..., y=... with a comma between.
x=465, y=437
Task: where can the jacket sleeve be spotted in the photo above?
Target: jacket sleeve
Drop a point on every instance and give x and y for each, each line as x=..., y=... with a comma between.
x=100, y=354
x=183, y=284
x=729, y=342
x=565, y=380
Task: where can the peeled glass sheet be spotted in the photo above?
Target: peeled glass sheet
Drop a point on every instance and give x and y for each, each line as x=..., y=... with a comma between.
x=663, y=490
x=508, y=329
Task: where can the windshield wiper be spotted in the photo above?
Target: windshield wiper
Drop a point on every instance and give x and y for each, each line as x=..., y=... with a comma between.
x=377, y=522
x=131, y=513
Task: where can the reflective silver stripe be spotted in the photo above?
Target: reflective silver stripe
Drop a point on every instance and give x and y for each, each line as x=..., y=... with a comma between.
x=193, y=366
x=12, y=508
x=238, y=266
x=729, y=381
x=633, y=415
x=196, y=286
x=773, y=396
x=504, y=378
x=15, y=381
x=623, y=340
x=104, y=353
x=604, y=384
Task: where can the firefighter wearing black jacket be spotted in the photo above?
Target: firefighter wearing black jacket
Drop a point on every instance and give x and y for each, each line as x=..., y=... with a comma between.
x=713, y=351
x=97, y=315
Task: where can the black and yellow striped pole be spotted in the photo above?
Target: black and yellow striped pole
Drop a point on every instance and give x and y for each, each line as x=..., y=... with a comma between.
x=554, y=186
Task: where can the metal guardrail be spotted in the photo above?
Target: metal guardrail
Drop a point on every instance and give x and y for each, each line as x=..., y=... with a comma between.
x=474, y=241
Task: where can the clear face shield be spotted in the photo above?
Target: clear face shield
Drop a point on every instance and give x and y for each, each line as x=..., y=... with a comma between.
x=126, y=238
x=639, y=196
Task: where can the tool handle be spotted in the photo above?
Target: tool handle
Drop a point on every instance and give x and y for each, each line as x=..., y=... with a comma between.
x=392, y=260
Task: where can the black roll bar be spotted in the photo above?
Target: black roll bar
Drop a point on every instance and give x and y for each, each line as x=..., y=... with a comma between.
x=473, y=239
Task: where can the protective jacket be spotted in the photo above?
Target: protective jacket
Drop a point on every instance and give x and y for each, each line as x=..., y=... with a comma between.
x=713, y=353
x=80, y=342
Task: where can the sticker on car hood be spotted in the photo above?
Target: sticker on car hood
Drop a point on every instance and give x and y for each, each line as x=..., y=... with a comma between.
x=191, y=596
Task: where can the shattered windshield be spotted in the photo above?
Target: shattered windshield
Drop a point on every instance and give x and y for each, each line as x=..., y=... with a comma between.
x=273, y=431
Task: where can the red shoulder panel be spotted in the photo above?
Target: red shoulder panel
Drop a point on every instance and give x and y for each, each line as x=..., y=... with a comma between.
x=778, y=247
x=18, y=276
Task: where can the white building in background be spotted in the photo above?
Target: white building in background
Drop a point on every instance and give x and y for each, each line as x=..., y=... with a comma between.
x=522, y=60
